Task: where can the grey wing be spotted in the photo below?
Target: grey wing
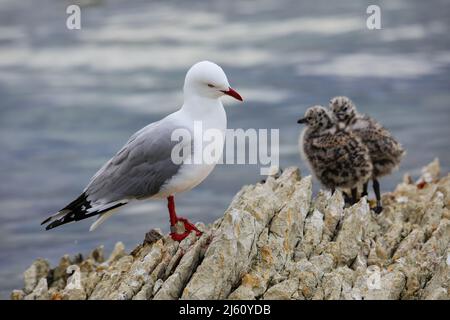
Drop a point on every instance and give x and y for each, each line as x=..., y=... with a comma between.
x=139, y=169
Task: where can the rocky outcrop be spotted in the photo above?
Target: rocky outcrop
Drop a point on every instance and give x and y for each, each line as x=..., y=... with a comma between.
x=276, y=242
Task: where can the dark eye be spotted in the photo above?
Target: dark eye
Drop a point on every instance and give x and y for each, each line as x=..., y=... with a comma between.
x=345, y=108
x=210, y=85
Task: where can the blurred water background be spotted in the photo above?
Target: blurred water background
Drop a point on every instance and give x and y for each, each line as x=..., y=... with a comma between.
x=70, y=99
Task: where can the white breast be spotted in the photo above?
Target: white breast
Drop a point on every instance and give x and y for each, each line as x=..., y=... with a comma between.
x=188, y=177
x=191, y=174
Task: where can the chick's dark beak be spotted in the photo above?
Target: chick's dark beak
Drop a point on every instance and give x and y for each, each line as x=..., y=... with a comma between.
x=302, y=120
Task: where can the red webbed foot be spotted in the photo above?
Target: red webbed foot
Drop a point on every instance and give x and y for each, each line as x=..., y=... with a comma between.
x=179, y=236
x=187, y=226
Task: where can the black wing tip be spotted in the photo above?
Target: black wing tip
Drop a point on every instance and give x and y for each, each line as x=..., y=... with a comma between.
x=77, y=206
x=53, y=225
x=46, y=220
x=67, y=218
x=77, y=210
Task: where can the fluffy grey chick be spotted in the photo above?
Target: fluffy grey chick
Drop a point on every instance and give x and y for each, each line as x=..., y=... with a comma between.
x=385, y=151
x=336, y=157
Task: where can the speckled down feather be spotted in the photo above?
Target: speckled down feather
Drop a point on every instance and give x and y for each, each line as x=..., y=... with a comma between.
x=385, y=151
x=337, y=158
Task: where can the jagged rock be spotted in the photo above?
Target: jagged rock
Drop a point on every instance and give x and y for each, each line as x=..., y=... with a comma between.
x=438, y=286
x=333, y=211
x=174, y=284
x=17, y=295
x=276, y=242
x=59, y=274
x=376, y=284
x=350, y=236
x=34, y=273
x=152, y=236
x=40, y=292
x=282, y=291
x=414, y=239
x=430, y=173
x=117, y=253
x=137, y=274
x=97, y=254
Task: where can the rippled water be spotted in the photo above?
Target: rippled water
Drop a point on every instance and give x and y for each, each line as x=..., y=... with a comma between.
x=70, y=99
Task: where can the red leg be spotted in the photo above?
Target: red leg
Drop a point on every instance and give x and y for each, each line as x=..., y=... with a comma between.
x=172, y=213
x=188, y=226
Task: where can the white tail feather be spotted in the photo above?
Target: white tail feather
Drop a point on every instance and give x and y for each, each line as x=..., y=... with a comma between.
x=101, y=218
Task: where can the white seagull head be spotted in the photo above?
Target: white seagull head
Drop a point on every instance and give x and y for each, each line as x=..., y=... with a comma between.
x=207, y=80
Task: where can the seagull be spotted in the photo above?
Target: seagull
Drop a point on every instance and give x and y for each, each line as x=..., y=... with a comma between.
x=385, y=151
x=144, y=167
x=337, y=158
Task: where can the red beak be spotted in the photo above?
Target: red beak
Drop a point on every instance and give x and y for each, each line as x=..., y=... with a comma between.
x=232, y=93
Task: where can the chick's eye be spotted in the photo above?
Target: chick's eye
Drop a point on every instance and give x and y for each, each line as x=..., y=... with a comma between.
x=210, y=85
